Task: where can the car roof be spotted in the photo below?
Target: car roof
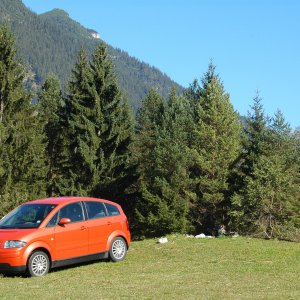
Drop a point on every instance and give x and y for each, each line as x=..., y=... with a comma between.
x=66, y=199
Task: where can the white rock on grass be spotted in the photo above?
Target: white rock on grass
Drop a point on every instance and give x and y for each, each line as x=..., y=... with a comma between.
x=163, y=240
x=200, y=236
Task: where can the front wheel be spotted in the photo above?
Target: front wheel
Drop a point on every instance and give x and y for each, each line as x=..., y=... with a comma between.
x=118, y=249
x=38, y=264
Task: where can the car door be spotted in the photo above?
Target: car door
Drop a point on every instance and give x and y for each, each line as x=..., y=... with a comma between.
x=71, y=240
x=99, y=226
x=113, y=217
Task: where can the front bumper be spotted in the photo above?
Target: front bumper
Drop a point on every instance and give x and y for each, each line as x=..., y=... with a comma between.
x=11, y=261
x=7, y=268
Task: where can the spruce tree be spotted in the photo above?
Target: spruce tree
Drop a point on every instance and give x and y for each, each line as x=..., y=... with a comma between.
x=51, y=114
x=193, y=93
x=149, y=120
x=270, y=195
x=164, y=159
x=215, y=146
x=278, y=177
x=22, y=167
x=99, y=126
x=82, y=138
x=244, y=211
x=296, y=217
x=114, y=127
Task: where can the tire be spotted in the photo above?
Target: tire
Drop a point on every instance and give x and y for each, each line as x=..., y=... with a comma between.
x=118, y=249
x=38, y=264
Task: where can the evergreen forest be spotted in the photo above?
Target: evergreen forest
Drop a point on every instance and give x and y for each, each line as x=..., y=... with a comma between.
x=185, y=164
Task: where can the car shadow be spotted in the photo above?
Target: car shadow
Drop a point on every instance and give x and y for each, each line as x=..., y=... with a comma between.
x=12, y=275
x=54, y=270
x=72, y=266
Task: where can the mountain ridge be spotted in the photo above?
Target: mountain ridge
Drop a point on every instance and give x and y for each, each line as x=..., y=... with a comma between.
x=50, y=43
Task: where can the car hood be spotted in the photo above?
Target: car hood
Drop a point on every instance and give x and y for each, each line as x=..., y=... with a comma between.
x=14, y=234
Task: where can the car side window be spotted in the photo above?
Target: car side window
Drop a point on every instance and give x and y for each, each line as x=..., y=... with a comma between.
x=72, y=211
x=95, y=209
x=112, y=210
x=53, y=222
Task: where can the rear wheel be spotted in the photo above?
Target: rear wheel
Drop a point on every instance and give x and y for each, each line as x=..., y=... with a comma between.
x=118, y=249
x=38, y=264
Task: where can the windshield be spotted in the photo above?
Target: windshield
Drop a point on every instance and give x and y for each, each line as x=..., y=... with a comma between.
x=27, y=216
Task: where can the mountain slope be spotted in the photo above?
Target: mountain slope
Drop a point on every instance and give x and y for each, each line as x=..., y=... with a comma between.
x=50, y=42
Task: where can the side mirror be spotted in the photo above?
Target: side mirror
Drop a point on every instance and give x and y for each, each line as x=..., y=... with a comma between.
x=64, y=221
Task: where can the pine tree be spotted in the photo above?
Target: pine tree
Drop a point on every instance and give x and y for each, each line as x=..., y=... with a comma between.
x=115, y=129
x=296, y=217
x=172, y=162
x=193, y=93
x=278, y=181
x=22, y=167
x=163, y=153
x=244, y=211
x=79, y=123
x=215, y=146
x=149, y=120
x=99, y=127
x=270, y=196
x=51, y=114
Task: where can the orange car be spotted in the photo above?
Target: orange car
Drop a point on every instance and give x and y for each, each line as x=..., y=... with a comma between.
x=48, y=233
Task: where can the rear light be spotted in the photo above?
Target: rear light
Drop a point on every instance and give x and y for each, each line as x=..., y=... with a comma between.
x=127, y=225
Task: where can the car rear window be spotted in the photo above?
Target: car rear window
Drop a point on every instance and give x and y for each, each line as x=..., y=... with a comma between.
x=95, y=209
x=112, y=210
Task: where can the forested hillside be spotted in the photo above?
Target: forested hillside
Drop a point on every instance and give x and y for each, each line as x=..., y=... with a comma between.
x=49, y=43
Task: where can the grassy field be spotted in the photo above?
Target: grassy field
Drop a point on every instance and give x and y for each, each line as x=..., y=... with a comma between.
x=184, y=268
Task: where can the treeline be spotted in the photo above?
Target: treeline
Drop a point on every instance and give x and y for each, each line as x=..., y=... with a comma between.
x=185, y=164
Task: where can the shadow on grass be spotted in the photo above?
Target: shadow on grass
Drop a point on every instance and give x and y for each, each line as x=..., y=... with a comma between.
x=54, y=270
x=12, y=275
x=72, y=266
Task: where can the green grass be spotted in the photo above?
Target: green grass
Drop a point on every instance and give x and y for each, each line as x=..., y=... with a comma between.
x=184, y=268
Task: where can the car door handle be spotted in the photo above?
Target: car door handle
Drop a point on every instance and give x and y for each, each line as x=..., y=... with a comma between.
x=109, y=223
x=82, y=228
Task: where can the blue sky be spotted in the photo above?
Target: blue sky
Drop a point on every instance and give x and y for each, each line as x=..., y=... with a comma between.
x=255, y=44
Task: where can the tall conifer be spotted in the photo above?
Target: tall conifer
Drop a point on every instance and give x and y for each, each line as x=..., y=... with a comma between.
x=22, y=167
x=114, y=127
x=83, y=141
x=215, y=145
x=268, y=202
x=243, y=212
x=162, y=149
x=149, y=120
x=99, y=126
x=51, y=115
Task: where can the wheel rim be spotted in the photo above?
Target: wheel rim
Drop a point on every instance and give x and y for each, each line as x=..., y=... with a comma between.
x=118, y=249
x=39, y=265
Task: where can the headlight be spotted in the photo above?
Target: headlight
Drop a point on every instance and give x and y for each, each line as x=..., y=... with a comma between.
x=14, y=244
